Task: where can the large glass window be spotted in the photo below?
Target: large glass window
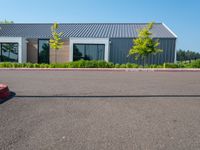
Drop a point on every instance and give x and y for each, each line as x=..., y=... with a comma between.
x=88, y=51
x=43, y=51
x=8, y=52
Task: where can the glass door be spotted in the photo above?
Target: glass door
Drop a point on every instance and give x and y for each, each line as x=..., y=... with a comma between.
x=43, y=51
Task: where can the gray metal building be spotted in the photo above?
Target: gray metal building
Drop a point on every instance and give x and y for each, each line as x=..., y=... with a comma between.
x=92, y=41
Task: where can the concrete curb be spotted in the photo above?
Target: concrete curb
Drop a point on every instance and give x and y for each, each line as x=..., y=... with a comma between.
x=105, y=69
x=4, y=92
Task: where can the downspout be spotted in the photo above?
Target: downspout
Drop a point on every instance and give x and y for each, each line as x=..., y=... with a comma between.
x=175, y=55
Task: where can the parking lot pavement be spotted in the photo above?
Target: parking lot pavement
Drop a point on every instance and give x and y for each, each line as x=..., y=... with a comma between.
x=91, y=110
x=37, y=83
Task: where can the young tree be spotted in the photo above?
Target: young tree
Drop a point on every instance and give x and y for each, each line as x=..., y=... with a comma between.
x=144, y=45
x=56, y=41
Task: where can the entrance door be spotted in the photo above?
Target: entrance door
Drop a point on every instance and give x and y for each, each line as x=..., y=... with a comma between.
x=43, y=51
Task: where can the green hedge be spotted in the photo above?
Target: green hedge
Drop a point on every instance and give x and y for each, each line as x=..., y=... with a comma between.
x=75, y=64
x=98, y=64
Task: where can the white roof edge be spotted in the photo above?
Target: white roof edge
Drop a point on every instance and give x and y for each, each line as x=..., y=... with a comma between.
x=169, y=30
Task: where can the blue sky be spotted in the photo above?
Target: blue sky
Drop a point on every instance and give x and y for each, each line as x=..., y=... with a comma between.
x=182, y=16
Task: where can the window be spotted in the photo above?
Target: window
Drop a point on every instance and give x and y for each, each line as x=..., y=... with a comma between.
x=88, y=51
x=8, y=52
x=43, y=51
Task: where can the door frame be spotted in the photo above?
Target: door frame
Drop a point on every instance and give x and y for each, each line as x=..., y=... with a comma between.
x=39, y=48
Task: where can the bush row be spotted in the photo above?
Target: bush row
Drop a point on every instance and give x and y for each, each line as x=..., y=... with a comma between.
x=98, y=64
x=75, y=64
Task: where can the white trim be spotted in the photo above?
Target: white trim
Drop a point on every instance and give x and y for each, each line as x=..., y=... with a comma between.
x=175, y=41
x=169, y=30
x=21, y=46
x=105, y=41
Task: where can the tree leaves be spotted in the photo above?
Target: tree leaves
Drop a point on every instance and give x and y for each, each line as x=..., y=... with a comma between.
x=6, y=22
x=187, y=55
x=144, y=45
x=56, y=41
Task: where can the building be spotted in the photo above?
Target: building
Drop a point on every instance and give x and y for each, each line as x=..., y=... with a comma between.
x=91, y=41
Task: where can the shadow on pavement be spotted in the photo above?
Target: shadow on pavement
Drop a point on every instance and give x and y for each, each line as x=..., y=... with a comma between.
x=12, y=94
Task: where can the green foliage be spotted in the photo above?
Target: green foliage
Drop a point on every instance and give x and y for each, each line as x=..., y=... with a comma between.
x=131, y=65
x=5, y=65
x=98, y=64
x=128, y=65
x=171, y=65
x=75, y=64
x=123, y=66
x=117, y=65
x=154, y=66
x=187, y=55
x=194, y=64
x=144, y=45
x=56, y=42
x=6, y=22
x=105, y=64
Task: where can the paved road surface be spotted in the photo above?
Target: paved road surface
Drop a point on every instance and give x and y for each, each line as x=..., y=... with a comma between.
x=48, y=112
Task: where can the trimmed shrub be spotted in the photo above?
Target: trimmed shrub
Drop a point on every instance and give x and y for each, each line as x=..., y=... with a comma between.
x=98, y=64
x=153, y=66
x=58, y=65
x=171, y=65
x=117, y=65
x=79, y=64
x=104, y=64
x=123, y=66
x=6, y=65
x=91, y=64
x=43, y=65
x=36, y=65
x=29, y=65
x=16, y=65
x=131, y=65
x=128, y=65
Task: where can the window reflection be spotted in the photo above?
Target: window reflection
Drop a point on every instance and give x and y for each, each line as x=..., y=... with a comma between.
x=88, y=51
x=8, y=52
x=43, y=56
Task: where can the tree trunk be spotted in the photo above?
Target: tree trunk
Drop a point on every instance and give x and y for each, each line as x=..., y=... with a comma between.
x=144, y=61
x=55, y=56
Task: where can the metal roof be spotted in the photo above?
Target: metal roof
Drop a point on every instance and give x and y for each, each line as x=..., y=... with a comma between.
x=84, y=30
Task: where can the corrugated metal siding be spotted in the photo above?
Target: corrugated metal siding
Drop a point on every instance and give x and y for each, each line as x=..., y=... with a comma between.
x=119, y=49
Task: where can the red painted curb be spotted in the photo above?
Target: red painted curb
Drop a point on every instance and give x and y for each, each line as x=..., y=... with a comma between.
x=4, y=91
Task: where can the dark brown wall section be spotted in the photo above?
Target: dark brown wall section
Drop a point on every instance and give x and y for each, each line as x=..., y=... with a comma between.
x=32, y=51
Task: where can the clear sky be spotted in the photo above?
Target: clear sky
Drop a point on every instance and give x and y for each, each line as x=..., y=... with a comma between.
x=182, y=16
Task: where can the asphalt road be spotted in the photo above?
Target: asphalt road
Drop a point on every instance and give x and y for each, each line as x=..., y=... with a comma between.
x=101, y=111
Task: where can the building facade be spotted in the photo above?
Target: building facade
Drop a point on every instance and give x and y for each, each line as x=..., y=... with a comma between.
x=89, y=41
